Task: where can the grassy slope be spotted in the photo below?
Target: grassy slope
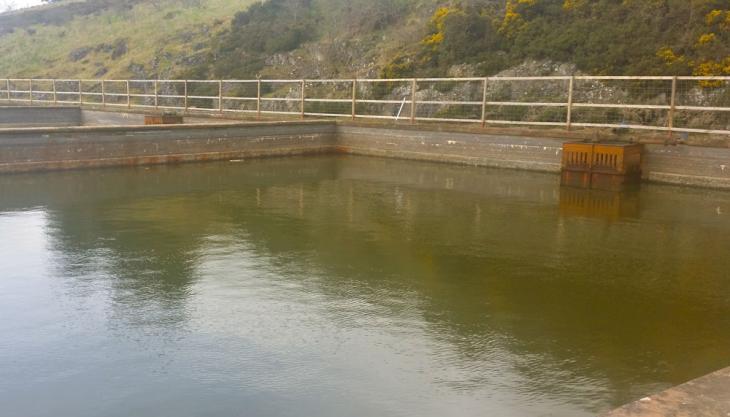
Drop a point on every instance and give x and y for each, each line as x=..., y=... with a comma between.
x=158, y=36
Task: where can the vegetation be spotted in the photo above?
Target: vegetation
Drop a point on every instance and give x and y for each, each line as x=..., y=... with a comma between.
x=390, y=38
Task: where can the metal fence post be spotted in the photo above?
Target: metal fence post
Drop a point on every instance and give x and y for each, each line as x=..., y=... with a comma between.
x=354, y=98
x=55, y=94
x=103, y=94
x=258, y=97
x=81, y=94
x=129, y=96
x=157, y=95
x=569, y=117
x=30, y=91
x=302, y=104
x=220, y=96
x=7, y=84
x=413, y=101
x=484, y=103
x=185, y=84
x=672, y=106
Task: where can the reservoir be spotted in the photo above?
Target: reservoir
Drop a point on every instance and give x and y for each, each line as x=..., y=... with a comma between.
x=352, y=286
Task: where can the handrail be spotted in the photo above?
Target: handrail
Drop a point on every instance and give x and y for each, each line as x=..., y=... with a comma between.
x=567, y=101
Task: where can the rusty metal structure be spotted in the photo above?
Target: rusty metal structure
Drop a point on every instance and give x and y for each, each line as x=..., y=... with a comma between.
x=604, y=166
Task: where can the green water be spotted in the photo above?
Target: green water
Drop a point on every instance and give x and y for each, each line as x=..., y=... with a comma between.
x=352, y=287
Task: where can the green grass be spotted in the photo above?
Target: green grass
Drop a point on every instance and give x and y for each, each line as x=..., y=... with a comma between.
x=155, y=34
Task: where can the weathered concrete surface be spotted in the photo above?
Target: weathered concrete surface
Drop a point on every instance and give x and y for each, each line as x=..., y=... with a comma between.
x=500, y=151
x=22, y=116
x=688, y=165
x=708, y=396
x=23, y=150
x=116, y=118
x=128, y=143
x=680, y=164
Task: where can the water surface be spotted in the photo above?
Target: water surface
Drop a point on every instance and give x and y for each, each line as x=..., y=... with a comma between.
x=352, y=287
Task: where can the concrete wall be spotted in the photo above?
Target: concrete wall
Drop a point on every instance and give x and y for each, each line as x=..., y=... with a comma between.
x=23, y=150
x=500, y=151
x=131, y=144
x=23, y=116
x=681, y=164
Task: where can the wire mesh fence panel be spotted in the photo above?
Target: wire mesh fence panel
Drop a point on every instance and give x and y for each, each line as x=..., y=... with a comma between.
x=622, y=101
x=171, y=94
x=328, y=97
x=91, y=92
x=702, y=104
x=281, y=96
x=240, y=96
x=527, y=100
x=203, y=94
x=447, y=99
x=42, y=91
x=387, y=99
x=142, y=93
x=68, y=91
x=115, y=93
x=681, y=104
x=20, y=90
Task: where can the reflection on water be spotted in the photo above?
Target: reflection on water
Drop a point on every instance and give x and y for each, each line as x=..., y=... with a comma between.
x=602, y=204
x=352, y=286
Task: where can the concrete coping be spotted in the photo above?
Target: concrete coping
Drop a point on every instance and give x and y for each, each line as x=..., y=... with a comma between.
x=707, y=396
x=124, y=128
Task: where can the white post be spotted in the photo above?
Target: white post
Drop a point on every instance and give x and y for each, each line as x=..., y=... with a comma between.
x=258, y=98
x=672, y=106
x=413, y=101
x=569, y=117
x=186, y=95
x=302, y=104
x=484, y=103
x=354, y=98
x=220, y=96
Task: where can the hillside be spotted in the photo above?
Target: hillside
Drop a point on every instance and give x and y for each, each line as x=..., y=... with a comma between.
x=365, y=38
x=112, y=38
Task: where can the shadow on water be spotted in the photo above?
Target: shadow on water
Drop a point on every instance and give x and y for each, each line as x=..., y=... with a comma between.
x=581, y=297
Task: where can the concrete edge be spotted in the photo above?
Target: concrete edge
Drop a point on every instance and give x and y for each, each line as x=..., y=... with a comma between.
x=705, y=396
x=118, y=128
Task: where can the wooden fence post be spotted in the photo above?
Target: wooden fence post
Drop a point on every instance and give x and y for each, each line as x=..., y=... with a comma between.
x=30, y=91
x=129, y=96
x=7, y=84
x=55, y=94
x=81, y=93
x=103, y=94
x=157, y=95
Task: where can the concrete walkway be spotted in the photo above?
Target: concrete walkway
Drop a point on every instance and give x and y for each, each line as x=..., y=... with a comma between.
x=708, y=396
